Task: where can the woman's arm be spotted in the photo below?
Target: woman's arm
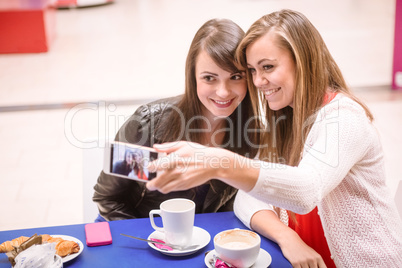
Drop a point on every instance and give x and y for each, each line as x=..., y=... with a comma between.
x=110, y=196
x=190, y=164
x=298, y=253
x=337, y=141
x=262, y=218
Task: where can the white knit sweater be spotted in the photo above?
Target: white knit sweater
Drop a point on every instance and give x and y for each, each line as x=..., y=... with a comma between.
x=342, y=173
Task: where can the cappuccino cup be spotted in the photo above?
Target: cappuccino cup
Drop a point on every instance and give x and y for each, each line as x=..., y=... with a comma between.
x=178, y=220
x=238, y=247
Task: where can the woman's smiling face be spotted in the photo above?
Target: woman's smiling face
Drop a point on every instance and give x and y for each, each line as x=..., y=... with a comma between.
x=219, y=91
x=273, y=71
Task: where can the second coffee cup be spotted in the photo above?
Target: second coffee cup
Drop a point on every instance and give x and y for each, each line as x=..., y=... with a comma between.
x=238, y=247
x=177, y=219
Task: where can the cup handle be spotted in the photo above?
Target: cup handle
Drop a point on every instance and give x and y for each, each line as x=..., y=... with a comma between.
x=151, y=218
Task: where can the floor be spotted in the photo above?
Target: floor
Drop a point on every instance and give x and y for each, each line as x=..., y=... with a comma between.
x=106, y=60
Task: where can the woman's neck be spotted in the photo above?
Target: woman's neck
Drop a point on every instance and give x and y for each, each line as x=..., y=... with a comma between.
x=214, y=137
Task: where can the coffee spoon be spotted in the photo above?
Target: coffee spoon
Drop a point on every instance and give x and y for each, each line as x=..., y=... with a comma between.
x=163, y=243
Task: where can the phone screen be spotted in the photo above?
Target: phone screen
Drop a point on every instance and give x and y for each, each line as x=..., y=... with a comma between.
x=131, y=162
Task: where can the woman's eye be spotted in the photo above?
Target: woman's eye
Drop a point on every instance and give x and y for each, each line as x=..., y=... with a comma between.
x=251, y=70
x=208, y=78
x=237, y=77
x=267, y=67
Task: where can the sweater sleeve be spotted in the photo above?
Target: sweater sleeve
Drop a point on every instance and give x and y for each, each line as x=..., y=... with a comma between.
x=245, y=206
x=337, y=141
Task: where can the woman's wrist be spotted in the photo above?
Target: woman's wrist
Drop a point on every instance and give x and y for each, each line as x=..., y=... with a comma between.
x=239, y=171
x=225, y=167
x=287, y=235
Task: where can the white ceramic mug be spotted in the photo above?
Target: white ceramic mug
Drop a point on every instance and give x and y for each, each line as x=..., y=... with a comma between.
x=238, y=247
x=177, y=219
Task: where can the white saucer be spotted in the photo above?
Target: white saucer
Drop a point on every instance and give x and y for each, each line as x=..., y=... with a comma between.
x=200, y=237
x=264, y=259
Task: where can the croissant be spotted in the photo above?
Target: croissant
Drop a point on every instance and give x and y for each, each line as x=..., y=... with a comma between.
x=66, y=247
x=63, y=247
x=51, y=239
x=45, y=237
x=9, y=245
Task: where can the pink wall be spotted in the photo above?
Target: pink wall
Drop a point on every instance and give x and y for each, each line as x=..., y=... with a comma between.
x=397, y=66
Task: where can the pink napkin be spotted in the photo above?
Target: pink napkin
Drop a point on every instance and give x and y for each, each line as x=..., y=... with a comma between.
x=221, y=264
x=160, y=246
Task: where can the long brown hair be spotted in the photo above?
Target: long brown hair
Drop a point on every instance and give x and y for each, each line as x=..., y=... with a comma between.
x=316, y=72
x=219, y=38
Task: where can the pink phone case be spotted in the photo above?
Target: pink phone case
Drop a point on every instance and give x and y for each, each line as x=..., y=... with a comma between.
x=98, y=234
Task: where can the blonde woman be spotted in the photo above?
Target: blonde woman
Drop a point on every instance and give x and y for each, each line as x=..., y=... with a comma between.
x=320, y=154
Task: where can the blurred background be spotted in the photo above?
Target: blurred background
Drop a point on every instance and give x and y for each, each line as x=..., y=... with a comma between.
x=104, y=61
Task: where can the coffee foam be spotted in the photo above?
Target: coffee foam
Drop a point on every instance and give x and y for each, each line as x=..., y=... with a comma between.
x=236, y=245
x=235, y=238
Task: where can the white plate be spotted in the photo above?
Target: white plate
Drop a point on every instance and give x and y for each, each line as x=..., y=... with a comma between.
x=264, y=259
x=74, y=255
x=200, y=237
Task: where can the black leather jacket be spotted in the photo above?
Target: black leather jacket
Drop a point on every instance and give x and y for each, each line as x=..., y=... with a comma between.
x=119, y=198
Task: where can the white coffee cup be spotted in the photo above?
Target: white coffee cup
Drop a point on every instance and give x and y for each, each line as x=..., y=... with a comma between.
x=238, y=247
x=177, y=219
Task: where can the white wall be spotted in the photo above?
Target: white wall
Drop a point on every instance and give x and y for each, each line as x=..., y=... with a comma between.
x=137, y=48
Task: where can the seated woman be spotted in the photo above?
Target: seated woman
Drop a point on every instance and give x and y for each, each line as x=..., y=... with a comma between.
x=321, y=158
x=212, y=111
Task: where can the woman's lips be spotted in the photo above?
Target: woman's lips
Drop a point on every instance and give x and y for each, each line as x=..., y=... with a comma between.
x=270, y=92
x=223, y=103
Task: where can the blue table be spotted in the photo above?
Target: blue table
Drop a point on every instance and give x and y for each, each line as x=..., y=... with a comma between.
x=126, y=252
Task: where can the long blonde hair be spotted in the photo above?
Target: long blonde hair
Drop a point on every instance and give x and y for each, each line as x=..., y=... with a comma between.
x=316, y=72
